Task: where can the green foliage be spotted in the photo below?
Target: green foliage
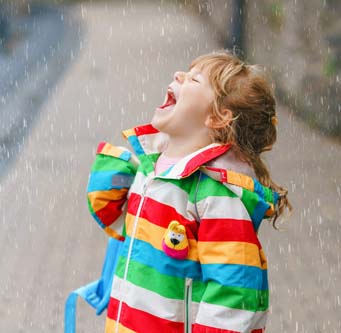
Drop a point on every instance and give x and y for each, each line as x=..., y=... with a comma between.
x=331, y=66
x=275, y=15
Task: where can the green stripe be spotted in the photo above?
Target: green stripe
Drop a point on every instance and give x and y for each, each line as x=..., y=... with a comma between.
x=90, y=207
x=211, y=188
x=184, y=184
x=147, y=163
x=153, y=157
x=268, y=194
x=124, y=230
x=150, y=279
x=109, y=163
x=173, y=288
x=198, y=289
x=208, y=187
x=250, y=200
x=236, y=298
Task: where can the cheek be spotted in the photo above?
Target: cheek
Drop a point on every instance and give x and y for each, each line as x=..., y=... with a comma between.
x=196, y=98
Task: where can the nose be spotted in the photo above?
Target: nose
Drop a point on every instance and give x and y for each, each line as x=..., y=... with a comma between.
x=179, y=76
x=174, y=241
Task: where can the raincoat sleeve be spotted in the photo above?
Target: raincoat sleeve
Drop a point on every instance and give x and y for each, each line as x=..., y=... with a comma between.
x=111, y=175
x=235, y=298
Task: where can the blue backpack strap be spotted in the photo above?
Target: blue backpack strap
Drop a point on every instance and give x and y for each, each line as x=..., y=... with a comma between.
x=96, y=293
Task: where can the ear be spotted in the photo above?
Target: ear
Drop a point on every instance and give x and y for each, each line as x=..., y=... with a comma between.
x=225, y=119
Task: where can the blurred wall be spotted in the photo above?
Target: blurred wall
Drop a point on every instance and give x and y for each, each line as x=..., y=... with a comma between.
x=299, y=43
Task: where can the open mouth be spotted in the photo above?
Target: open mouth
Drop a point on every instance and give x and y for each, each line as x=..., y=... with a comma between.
x=169, y=102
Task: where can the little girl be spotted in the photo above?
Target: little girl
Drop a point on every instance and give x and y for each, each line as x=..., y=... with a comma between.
x=193, y=194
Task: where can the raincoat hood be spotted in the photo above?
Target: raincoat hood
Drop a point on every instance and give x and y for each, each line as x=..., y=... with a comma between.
x=217, y=161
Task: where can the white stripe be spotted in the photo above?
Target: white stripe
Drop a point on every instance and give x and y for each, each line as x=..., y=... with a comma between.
x=137, y=185
x=171, y=195
x=237, y=190
x=148, y=301
x=160, y=192
x=222, y=207
x=230, y=319
x=181, y=165
x=195, y=310
x=153, y=143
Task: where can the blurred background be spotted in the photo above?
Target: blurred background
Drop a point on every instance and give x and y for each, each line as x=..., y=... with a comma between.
x=73, y=73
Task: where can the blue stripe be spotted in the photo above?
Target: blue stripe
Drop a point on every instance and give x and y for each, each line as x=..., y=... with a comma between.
x=258, y=188
x=135, y=143
x=146, y=254
x=236, y=275
x=125, y=156
x=166, y=172
x=259, y=213
x=102, y=225
x=108, y=180
x=276, y=197
x=228, y=275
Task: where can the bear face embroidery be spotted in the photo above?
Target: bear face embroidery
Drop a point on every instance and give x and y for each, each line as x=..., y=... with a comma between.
x=175, y=242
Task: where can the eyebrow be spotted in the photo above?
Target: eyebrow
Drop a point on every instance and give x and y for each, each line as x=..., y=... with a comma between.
x=197, y=72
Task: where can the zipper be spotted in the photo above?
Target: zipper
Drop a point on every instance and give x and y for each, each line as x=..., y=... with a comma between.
x=188, y=305
x=139, y=208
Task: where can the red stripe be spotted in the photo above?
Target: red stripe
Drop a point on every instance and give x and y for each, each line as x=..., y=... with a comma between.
x=110, y=212
x=100, y=147
x=140, y=321
x=204, y=157
x=197, y=328
x=227, y=230
x=145, y=129
x=161, y=214
x=222, y=173
x=112, y=308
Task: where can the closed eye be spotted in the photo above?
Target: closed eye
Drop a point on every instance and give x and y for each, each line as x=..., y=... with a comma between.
x=196, y=80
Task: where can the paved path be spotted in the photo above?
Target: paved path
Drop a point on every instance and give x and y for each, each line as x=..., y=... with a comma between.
x=49, y=243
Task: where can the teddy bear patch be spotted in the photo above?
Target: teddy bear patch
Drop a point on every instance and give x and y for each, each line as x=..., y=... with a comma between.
x=175, y=242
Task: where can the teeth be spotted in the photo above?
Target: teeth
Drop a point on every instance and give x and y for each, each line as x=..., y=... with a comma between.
x=170, y=91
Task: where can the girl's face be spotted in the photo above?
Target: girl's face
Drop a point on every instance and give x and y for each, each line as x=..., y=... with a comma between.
x=187, y=104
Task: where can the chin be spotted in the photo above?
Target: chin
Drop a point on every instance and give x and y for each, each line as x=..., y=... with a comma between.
x=158, y=124
x=154, y=124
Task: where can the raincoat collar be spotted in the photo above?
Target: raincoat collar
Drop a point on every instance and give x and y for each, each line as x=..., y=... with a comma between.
x=147, y=140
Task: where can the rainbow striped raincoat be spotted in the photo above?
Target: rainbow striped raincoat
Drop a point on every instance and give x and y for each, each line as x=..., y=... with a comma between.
x=191, y=259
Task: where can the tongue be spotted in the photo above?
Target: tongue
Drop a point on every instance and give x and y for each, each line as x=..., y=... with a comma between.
x=170, y=101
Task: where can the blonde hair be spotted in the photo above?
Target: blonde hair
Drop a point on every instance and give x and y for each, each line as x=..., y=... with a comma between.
x=243, y=90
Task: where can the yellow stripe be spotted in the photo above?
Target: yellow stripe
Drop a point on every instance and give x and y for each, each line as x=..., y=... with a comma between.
x=112, y=233
x=99, y=199
x=271, y=210
x=153, y=234
x=240, y=253
x=263, y=259
x=240, y=180
x=129, y=132
x=110, y=150
x=110, y=326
